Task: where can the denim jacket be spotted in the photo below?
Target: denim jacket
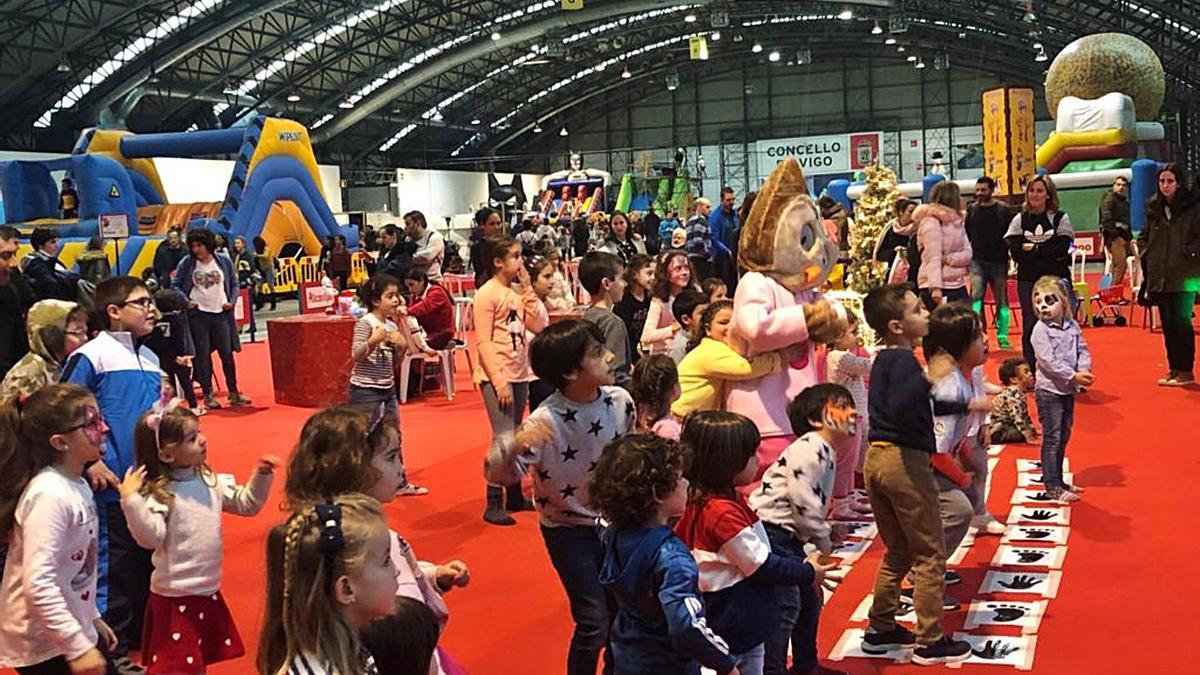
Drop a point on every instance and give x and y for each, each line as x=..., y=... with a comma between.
x=1061, y=352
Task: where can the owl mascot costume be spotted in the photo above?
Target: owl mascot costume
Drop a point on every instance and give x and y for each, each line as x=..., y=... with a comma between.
x=786, y=255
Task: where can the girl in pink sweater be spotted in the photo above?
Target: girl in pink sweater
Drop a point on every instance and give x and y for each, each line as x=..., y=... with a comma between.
x=505, y=310
x=945, y=249
x=674, y=274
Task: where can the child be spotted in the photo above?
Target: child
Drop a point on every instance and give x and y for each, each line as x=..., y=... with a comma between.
x=660, y=627
x=561, y=442
x=126, y=380
x=674, y=274
x=634, y=306
x=714, y=289
x=792, y=503
x=560, y=298
x=655, y=388
x=848, y=367
x=541, y=275
x=687, y=309
x=50, y=622
x=404, y=642
x=602, y=276
x=347, y=449
x=1064, y=366
x=56, y=329
x=900, y=483
x=173, y=502
x=1011, y=422
x=505, y=309
x=328, y=578
x=172, y=342
x=738, y=571
x=712, y=360
x=376, y=338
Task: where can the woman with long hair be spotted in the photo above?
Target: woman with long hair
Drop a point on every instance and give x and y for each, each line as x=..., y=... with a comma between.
x=1039, y=240
x=675, y=273
x=622, y=241
x=1170, y=245
x=945, y=249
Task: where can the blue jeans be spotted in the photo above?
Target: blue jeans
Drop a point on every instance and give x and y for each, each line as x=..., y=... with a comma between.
x=750, y=662
x=1056, y=412
x=577, y=556
x=371, y=397
x=993, y=273
x=799, y=613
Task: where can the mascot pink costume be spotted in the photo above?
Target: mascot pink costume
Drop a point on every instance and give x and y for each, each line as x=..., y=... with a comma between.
x=786, y=255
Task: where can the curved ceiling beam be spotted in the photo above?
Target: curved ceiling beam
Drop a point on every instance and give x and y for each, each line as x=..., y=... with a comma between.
x=530, y=31
x=155, y=62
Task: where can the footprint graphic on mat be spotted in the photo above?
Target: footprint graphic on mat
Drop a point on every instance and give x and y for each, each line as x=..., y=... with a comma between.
x=1006, y=613
x=1030, y=555
x=1035, y=533
x=1040, y=497
x=1039, y=514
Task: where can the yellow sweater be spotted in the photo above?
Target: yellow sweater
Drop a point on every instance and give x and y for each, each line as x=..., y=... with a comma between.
x=704, y=368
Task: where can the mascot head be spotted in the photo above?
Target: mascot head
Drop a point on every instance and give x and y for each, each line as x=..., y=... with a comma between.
x=783, y=236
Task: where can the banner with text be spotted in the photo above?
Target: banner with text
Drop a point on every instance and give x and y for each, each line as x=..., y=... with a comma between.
x=819, y=155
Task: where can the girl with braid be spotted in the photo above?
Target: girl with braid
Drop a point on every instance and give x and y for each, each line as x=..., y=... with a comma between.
x=328, y=577
x=655, y=388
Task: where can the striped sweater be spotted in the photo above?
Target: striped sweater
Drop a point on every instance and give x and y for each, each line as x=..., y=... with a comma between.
x=372, y=367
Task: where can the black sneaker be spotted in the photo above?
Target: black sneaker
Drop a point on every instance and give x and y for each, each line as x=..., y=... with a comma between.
x=949, y=602
x=882, y=643
x=952, y=578
x=945, y=650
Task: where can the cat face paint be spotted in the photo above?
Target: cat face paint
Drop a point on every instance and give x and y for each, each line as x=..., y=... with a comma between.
x=842, y=417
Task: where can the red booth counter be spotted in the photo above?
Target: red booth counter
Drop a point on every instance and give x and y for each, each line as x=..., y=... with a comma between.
x=310, y=359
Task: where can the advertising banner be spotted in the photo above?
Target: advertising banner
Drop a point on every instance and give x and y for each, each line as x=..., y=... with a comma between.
x=819, y=155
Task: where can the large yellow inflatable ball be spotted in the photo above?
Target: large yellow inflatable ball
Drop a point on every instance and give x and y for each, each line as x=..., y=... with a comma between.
x=1099, y=64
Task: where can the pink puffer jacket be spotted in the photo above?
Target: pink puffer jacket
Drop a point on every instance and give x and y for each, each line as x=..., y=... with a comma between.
x=945, y=249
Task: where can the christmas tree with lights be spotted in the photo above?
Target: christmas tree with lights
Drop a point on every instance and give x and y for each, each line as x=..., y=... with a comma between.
x=875, y=208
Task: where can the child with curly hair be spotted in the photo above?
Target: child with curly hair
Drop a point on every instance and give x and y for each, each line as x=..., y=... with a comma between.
x=660, y=626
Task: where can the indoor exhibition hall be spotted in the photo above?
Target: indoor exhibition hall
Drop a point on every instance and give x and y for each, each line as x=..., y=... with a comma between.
x=580, y=337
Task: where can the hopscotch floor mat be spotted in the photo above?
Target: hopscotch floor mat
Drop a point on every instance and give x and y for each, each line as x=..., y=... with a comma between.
x=1031, y=496
x=906, y=613
x=1009, y=613
x=850, y=646
x=1037, y=534
x=995, y=650
x=1029, y=556
x=1044, y=584
x=1040, y=515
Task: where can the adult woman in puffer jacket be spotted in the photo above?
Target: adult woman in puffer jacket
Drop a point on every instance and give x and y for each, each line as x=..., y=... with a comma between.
x=945, y=249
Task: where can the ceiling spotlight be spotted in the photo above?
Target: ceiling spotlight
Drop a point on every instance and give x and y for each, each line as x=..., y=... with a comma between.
x=962, y=36
x=437, y=115
x=293, y=98
x=846, y=14
x=63, y=66
x=1029, y=17
x=537, y=128
x=625, y=74
x=773, y=56
x=912, y=58
x=495, y=36
x=756, y=48
x=737, y=38
x=562, y=132
x=716, y=35
x=920, y=64
x=890, y=41
x=1037, y=45
x=476, y=122
x=345, y=105
x=877, y=30
x=690, y=17
x=900, y=48
x=1040, y=56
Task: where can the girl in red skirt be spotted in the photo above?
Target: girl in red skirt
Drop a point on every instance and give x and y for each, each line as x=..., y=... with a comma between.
x=173, y=502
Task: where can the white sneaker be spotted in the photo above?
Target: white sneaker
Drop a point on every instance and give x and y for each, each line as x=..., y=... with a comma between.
x=987, y=524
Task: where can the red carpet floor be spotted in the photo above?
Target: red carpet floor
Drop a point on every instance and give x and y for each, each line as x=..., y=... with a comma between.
x=1122, y=607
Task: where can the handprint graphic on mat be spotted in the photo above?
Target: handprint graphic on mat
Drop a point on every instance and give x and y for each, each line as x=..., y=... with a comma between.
x=1006, y=613
x=1029, y=555
x=1021, y=582
x=994, y=650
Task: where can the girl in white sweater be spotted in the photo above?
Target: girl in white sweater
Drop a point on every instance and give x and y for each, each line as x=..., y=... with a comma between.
x=50, y=623
x=173, y=503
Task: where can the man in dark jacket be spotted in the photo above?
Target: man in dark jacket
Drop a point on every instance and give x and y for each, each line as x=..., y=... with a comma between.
x=47, y=275
x=1115, y=228
x=395, y=254
x=987, y=222
x=167, y=257
x=16, y=297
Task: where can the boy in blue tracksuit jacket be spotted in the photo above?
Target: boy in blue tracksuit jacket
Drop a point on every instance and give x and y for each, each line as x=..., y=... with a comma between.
x=660, y=628
x=124, y=376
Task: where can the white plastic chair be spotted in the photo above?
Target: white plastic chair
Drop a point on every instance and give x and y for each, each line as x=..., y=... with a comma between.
x=445, y=359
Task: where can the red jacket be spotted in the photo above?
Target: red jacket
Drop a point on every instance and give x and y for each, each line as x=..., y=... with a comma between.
x=434, y=310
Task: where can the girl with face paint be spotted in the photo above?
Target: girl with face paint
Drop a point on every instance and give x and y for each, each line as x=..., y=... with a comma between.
x=674, y=274
x=1064, y=367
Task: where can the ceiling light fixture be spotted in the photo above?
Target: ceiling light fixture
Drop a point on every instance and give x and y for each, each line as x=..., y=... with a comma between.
x=293, y=98
x=1040, y=56
x=690, y=17
x=716, y=35
x=563, y=132
x=63, y=66
x=890, y=41
x=625, y=74
x=846, y=14
x=877, y=30
x=900, y=48
x=773, y=56
x=475, y=122
x=1037, y=45
x=345, y=105
x=495, y=36
x=920, y=64
x=756, y=48
x=537, y=128
x=912, y=58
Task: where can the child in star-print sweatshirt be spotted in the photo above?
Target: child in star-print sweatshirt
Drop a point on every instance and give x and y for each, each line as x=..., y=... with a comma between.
x=561, y=444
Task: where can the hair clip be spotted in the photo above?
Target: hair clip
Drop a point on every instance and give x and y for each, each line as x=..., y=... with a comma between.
x=330, y=518
x=154, y=420
x=378, y=413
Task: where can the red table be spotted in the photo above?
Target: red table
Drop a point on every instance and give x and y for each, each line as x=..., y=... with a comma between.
x=310, y=359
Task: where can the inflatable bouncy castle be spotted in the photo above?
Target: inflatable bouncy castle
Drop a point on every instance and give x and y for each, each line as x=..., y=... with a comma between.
x=274, y=190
